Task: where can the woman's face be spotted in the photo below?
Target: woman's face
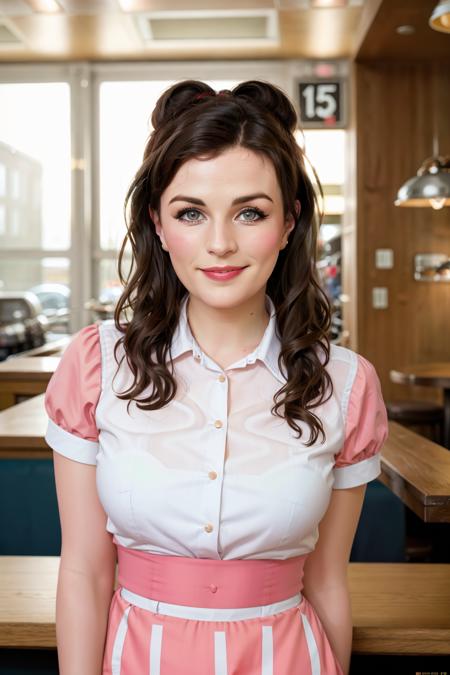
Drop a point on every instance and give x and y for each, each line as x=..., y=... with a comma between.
x=224, y=211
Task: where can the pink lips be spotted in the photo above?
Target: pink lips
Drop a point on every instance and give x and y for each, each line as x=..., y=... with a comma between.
x=230, y=273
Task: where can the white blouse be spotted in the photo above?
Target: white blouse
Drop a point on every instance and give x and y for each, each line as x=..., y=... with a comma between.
x=213, y=474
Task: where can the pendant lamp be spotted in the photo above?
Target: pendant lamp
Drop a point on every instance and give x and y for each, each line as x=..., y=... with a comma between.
x=431, y=186
x=440, y=17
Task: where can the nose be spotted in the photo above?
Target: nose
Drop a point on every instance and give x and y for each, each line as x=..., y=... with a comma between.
x=221, y=239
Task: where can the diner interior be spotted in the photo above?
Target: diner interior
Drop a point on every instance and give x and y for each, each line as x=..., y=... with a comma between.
x=371, y=83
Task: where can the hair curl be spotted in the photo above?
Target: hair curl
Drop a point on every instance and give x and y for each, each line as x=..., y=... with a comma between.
x=190, y=120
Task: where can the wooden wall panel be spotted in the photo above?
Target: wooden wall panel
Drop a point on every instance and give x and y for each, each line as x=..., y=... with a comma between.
x=393, y=109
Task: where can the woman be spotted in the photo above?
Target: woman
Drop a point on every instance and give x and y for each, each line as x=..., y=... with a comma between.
x=209, y=437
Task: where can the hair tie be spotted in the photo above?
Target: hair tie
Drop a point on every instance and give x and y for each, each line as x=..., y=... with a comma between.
x=203, y=94
x=207, y=94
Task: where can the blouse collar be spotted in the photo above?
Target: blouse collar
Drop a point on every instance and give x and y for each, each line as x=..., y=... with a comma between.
x=267, y=351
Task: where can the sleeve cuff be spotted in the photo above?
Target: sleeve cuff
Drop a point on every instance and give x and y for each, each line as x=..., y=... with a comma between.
x=70, y=445
x=357, y=474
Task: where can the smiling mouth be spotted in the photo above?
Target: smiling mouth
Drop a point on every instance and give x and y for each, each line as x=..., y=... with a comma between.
x=222, y=270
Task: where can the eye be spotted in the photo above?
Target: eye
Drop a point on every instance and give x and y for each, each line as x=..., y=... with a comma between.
x=186, y=211
x=254, y=212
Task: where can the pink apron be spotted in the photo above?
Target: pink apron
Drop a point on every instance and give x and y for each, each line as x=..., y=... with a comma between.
x=173, y=615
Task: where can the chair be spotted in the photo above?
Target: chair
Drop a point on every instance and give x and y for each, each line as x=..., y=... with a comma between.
x=427, y=415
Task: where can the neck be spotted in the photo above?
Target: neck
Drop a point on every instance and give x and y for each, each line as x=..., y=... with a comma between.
x=233, y=331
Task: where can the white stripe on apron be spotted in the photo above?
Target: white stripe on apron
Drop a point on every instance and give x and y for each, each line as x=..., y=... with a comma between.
x=118, y=643
x=155, y=649
x=267, y=650
x=207, y=613
x=312, y=646
x=220, y=653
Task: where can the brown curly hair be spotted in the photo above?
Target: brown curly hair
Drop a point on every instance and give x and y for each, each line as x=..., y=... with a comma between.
x=190, y=120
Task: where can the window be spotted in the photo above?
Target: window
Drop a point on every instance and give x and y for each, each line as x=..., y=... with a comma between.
x=35, y=184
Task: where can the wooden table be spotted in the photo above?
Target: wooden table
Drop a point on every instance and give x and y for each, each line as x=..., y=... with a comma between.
x=418, y=472
x=22, y=430
x=397, y=608
x=435, y=374
x=25, y=376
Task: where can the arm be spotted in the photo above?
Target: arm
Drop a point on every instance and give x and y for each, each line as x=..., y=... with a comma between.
x=88, y=554
x=86, y=572
x=325, y=574
x=357, y=463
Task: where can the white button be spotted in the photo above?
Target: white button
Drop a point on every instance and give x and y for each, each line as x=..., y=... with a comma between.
x=208, y=528
x=218, y=424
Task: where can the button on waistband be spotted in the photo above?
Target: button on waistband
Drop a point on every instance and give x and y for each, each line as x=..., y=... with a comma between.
x=213, y=588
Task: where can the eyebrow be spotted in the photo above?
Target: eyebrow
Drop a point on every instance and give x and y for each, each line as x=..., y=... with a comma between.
x=238, y=200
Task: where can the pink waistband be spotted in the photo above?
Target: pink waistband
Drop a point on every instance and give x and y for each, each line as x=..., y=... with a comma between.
x=206, y=582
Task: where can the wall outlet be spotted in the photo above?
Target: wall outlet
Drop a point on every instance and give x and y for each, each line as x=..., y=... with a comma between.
x=379, y=298
x=384, y=258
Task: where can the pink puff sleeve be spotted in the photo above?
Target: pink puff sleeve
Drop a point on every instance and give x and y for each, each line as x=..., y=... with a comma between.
x=71, y=398
x=366, y=429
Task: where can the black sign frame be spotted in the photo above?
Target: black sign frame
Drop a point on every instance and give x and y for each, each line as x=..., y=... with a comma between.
x=322, y=96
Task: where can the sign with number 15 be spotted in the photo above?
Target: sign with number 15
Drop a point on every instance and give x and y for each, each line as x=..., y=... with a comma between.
x=322, y=103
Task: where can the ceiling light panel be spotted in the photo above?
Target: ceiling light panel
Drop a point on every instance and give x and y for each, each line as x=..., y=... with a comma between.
x=182, y=5
x=249, y=27
x=84, y=8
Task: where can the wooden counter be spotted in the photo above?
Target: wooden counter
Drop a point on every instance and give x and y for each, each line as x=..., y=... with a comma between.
x=22, y=430
x=25, y=376
x=398, y=608
x=418, y=472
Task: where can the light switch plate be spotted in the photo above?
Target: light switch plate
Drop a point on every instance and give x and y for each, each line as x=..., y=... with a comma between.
x=379, y=297
x=384, y=258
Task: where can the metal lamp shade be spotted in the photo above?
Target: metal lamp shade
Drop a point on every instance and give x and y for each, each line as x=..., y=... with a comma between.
x=440, y=17
x=431, y=186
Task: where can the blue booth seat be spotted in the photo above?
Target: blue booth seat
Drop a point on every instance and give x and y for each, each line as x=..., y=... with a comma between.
x=29, y=519
x=381, y=531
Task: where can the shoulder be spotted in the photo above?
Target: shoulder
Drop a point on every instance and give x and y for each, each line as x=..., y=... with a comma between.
x=365, y=420
x=80, y=364
x=355, y=367
x=108, y=333
x=88, y=336
x=72, y=395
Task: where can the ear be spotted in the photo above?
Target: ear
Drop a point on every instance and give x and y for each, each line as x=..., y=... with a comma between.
x=290, y=224
x=159, y=231
x=291, y=219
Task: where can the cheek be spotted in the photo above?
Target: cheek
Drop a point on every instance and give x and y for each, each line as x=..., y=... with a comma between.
x=180, y=245
x=265, y=243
